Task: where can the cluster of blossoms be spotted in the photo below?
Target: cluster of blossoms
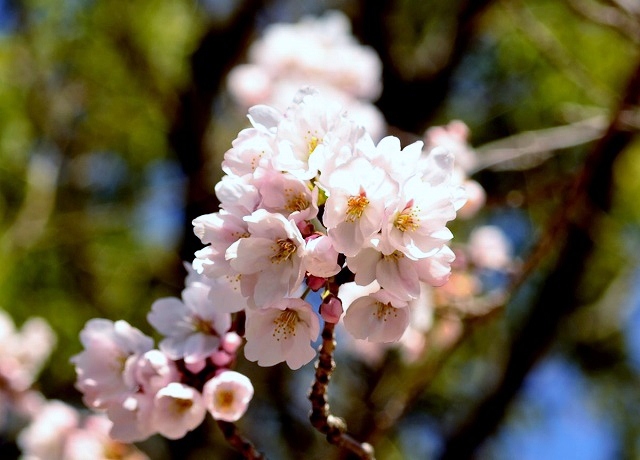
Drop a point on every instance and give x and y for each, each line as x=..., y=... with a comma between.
x=309, y=202
x=23, y=352
x=169, y=390
x=59, y=432
x=308, y=195
x=320, y=52
x=43, y=429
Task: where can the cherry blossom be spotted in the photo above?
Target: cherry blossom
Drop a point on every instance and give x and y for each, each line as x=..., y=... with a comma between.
x=227, y=395
x=178, y=408
x=192, y=326
x=273, y=253
x=100, y=366
x=355, y=210
x=282, y=332
x=378, y=317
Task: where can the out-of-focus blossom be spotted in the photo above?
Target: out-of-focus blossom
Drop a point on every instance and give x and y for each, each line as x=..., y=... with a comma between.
x=319, y=52
x=178, y=408
x=192, y=326
x=490, y=248
x=60, y=432
x=227, y=395
x=100, y=366
x=23, y=352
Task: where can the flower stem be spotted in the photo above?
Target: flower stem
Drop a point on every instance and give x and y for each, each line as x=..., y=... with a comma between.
x=321, y=418
x=232, y=434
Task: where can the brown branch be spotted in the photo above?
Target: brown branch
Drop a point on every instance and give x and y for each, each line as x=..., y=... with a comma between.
x=321, y=418
x=559, y=295
x=218, y=50
x=233, y=436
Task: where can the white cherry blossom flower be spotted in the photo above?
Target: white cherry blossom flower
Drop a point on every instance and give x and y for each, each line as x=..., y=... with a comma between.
x=227, y=395
x=44, y=437
x=178, y=409
x=286, y=194
x=192, y=326
x=282, y=332
x=378, y=317
x=395, y=272
x=355, y=209
x=150, y=372
x=310, y=132
x=272, y=254
x=416, y=225
x=251, y=149
x=237, y=194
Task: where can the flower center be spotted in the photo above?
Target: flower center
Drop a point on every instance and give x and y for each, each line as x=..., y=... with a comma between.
x=224, y=399
x=203, y=326
x=408, y=219
x=285, y=325
x=394, y=256
x=283, y=250
x=297, y=203
x=313, y=143
x=384, y=310
x=356, y=206
x=182, y=404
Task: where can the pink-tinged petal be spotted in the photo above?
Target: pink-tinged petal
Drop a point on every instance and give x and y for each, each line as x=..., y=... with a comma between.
x=178, y=409
x=199, y=346
x=368, y=318
x=397, y=275
x=364, y=266
x=435, y=270
x=251, y=255
x=167, y=314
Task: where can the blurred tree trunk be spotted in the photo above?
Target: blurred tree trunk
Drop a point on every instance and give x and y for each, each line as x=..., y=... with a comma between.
x=217, y=52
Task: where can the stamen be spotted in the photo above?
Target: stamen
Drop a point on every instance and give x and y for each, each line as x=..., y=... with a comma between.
x=203, y=326
x=224, y=399
x=297, y=203
x=408, y=219
x=394, y=256
x=313, y=143
x=384, y=310
x=285, y=325
x=356, y=206
x=283, y=250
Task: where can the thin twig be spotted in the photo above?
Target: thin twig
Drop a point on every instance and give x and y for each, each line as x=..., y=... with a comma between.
x=233, y=436
x=321, y=418
x=524, y=149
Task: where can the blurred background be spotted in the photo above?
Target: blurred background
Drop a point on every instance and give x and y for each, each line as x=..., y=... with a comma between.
x=114, y=116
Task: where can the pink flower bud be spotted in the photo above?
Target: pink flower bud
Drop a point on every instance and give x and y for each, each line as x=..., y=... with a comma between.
x=196, y=366
x=315, y=283
x=331, y=309
x=231, y=342
x=221, y=358
x=306, y=228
